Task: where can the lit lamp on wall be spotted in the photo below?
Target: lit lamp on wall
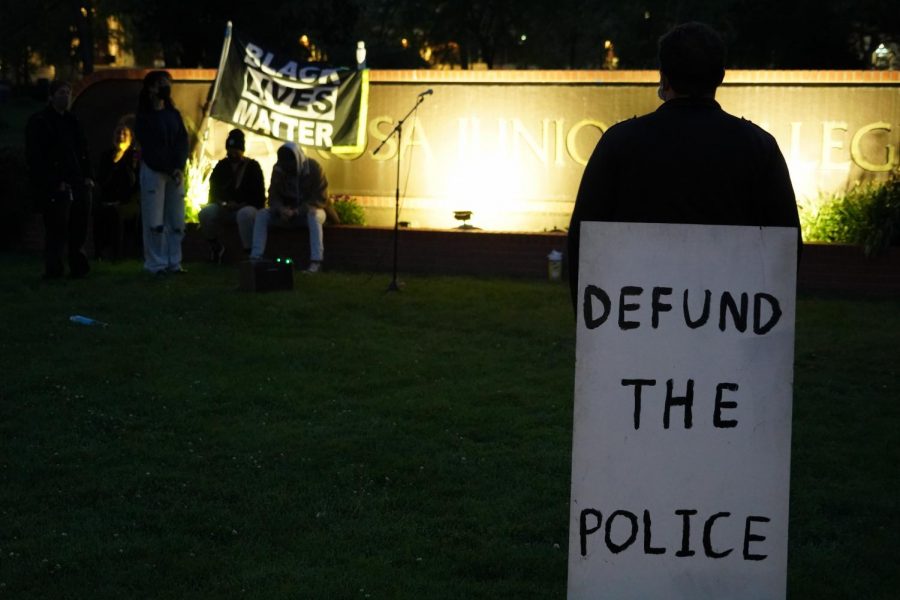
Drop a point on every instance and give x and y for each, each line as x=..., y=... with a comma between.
x=464, y=216
x=882, y=58
x=360, y=55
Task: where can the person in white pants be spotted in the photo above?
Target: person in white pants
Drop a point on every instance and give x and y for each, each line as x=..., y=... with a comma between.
x=163, y=141
x=298, y=194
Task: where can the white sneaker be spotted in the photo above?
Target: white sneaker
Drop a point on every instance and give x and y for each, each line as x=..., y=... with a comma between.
x=314, y=267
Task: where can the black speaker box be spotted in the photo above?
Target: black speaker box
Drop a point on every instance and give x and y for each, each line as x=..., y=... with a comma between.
x=266, y=276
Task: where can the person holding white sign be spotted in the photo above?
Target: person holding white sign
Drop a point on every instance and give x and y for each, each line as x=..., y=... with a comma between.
x=689, y=161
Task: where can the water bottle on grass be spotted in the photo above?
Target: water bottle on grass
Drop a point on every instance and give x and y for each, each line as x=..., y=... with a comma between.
x=87, y=321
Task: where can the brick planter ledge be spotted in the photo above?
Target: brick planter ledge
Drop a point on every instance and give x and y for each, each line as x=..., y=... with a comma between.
x=824, y=267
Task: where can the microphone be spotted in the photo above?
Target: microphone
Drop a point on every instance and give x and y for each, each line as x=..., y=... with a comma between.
x=426, y=93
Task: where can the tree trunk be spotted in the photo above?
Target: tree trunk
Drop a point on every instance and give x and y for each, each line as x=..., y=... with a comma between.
x=84, y=27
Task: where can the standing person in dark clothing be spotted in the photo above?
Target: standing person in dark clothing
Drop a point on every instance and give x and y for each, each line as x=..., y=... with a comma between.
x=117, y=175
x=236, y=191
x=687, y=162
x=61, y=177
x=163, y=141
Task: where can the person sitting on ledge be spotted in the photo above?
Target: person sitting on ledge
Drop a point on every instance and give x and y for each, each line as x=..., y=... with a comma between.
x=236, y=192
x=298, y=195
x=119, y=194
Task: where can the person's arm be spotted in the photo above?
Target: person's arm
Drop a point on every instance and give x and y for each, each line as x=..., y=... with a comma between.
x=216, y=184
x=255, y=185
x=593, y=203
x=777, y=193
x=315, y=186
x=276, y=191
x=181, y=149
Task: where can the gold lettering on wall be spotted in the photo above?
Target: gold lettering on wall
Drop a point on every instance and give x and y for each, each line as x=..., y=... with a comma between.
x=560, y=141
x=414, y=135
x=856, y=150
x=829, y=144
x=520, y=133
x=572, y=138
x=390, y=148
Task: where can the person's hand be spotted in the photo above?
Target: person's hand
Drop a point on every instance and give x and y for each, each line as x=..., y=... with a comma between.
x=88, y=182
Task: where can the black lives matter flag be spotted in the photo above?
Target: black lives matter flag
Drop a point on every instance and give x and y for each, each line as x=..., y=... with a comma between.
x=272, y=95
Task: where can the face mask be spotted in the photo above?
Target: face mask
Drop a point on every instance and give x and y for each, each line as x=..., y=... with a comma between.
x=164, y=92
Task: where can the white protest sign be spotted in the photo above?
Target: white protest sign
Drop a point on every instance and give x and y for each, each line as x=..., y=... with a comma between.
x=682, y=424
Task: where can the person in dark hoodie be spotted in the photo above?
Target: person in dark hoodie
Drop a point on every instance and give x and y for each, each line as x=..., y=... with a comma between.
x=298, y=194
x=237, y=190
x=163, y=142
x=61, y=177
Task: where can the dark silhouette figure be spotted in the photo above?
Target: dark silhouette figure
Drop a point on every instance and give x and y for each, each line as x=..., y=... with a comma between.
x=687, y=162
x=117, y=176
x=61, y=178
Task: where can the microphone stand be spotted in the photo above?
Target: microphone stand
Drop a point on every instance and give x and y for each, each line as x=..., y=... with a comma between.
x=394, y=286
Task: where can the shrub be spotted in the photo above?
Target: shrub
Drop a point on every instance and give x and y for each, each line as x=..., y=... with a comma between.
x=867, y=215
x=196, y=189
x=349, y=210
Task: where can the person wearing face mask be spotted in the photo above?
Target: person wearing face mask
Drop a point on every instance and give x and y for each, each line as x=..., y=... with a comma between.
x=236, y=191
x=118, y=183
x=298, y=195
x=163, y=141
x=60, y=172
x=687, y=162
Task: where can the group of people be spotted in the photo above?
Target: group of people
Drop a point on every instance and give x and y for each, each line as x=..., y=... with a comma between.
x=298, y=196
x=141, y=179
x=705, y=167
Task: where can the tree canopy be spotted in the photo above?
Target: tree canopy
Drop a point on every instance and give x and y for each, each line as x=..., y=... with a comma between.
x=566, y=34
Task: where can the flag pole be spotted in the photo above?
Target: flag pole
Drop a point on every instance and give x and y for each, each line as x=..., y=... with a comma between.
x=204, y=127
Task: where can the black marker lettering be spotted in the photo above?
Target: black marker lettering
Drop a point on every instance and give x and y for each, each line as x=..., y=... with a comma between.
x=749, y=537
x=685, y=532
x=584, y=530
x=658, y=306
x=704, y=316
x=720, y=404
x=739, y=317
x=628, y=290
x=632, y=518
x=590, y=321
x=648, y=549
x=638, y=384
x=687, y=401
x=758, y=327
x=707, y=537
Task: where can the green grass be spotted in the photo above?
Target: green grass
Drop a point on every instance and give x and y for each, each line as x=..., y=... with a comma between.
x=338, y=441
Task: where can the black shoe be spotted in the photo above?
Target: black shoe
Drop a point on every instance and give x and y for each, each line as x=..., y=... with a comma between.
x=176, y=271
x=216, y=252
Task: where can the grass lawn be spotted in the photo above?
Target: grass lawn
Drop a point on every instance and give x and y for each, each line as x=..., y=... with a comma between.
x=338, y=441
